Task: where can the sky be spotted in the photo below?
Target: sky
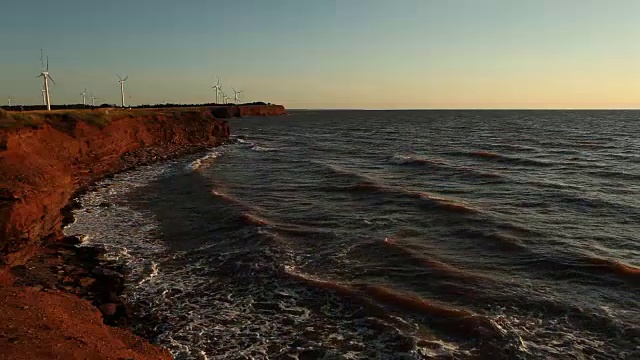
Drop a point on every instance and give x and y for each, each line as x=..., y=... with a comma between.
x=363, y=54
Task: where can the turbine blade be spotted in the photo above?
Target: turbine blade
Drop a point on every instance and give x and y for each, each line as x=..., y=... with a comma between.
x=118, y=76
x=42, y=58
x=125, y=79
x=47, y=63
x=50, y=78
x=39, y=76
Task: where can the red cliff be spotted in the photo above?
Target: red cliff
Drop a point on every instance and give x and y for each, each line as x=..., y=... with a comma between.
x=45, y=157
x=42, y=165
x=226, y=112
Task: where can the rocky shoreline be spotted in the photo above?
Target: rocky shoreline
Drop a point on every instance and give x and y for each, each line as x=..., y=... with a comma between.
x=68, y=265
x=57, y=296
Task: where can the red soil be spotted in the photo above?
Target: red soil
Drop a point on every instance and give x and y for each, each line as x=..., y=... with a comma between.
x=41, y=167
x=40, y=325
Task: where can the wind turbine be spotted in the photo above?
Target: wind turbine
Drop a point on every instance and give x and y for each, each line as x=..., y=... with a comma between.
x=122, y=81
x=84, y=96
x=224, y=97
x=217, y=88
x=236, y=95
x=9, y=99
x=45, y=76
x=93, y=100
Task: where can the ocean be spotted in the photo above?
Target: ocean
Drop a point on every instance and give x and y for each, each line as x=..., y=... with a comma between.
x=388, y=235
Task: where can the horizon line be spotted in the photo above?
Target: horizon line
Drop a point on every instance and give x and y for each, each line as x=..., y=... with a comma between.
x=466, y=109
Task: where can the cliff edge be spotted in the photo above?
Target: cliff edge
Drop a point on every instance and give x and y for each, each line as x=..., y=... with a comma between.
x=45, y=158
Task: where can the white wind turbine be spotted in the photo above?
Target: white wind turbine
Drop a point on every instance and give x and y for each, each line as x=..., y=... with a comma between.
x=93, y=100
x=217, y=88
x=236, y=95
x=84, y=96
x=45, y=76
x=9, y=100
x=225, y=98
x=122, y=81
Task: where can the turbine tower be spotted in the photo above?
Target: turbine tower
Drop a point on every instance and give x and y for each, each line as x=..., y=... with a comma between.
x=122, y=81
x=236, y=95
x=46, y=77
x=224, y=97
x=9, y=100
x=44, y=98
x=84, y=96
x=217, y=88
x=93, y=100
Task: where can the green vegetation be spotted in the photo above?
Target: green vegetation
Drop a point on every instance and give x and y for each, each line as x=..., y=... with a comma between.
x=62, y=120
x=9, y=120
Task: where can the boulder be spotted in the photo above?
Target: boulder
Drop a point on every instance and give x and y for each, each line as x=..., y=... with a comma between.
x=108, y=309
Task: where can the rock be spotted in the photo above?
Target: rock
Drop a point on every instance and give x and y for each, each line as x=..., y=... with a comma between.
x=90, y=252
x=75, y=239
x=36, y=288
x=108, y=309
x=87, y=281
x=114, y=298
x=101, y=271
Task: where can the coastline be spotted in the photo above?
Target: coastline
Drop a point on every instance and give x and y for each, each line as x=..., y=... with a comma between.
x=45, y=272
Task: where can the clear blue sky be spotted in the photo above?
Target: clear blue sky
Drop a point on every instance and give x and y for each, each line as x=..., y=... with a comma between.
x=329, y=53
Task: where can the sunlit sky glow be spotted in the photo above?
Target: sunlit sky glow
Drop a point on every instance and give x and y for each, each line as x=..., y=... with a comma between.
x=329, y=53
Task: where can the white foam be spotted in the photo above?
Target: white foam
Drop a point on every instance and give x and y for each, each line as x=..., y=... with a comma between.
x=262, y=148
x=203, y=161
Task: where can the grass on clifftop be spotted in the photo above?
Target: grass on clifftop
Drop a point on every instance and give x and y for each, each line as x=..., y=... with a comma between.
x=66, y=120
x=57, y=119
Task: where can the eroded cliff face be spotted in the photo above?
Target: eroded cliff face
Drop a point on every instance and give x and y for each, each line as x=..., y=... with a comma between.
x=42, y=167
x=226, y=112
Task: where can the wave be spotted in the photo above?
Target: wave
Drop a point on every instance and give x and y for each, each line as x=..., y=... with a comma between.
x=516, y=147
x=247, y=214
x=203, y=161
x=441, y=268
x=596, y=202
x=501, y=158
x=615, y=267
x=416, y=161
x=594, y=145
x=259, y=148
x=368, y=184
x=381, y=301
x=428, y=200
x=226, y=197
x=455, y=320
x=449, y=204
x=587, y=268
x=346, y=173
x=612, y=174
x=495, y=239
x=254, y=219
